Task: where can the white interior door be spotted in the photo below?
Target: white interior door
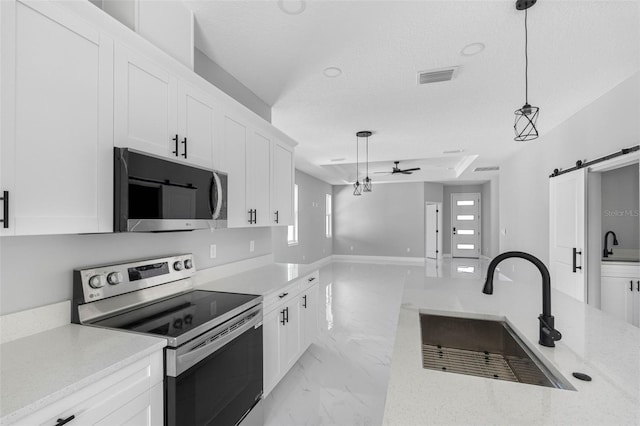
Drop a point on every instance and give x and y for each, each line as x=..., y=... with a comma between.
x=465, y=225
x=567, y=251
x=432, y=229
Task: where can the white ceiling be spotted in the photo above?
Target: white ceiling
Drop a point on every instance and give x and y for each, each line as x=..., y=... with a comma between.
x=578, y=50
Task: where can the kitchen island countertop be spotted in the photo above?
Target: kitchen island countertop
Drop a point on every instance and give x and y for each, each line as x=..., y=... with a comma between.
x=593, y=343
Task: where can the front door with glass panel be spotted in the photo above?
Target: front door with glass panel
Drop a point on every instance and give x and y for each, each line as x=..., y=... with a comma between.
x=465, y=225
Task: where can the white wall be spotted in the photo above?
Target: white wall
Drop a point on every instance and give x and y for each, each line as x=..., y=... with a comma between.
x=312, y=244
x=384, y=222
x=37, y=270
x=609, y=124
x=224, y=81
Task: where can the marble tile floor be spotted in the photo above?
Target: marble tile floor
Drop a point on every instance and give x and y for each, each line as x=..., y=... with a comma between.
x=342, y=378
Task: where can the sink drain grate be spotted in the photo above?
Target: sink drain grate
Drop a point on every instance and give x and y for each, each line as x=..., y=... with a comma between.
x=482, y=364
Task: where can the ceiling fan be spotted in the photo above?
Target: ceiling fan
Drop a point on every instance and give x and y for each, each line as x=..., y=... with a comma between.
x=397, y=169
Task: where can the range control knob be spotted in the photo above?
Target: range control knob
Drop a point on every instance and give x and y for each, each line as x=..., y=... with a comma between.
x=178, y=266
x=96, y=281
x=114, y=278
x=188, y=264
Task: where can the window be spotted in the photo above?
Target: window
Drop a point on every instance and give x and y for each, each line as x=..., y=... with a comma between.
x=328, y=231
x=292, y=230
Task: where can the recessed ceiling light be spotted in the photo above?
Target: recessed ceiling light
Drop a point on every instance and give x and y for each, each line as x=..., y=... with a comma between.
x=472, y=49
x=453, y=151
x=332, y=72
x=292, y=7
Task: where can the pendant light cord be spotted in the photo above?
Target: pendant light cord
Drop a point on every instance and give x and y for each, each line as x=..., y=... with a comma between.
x=357, y=160
x=526, y=60
x=367, y=156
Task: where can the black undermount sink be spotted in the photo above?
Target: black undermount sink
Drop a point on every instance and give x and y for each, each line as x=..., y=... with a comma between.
x=482, y=348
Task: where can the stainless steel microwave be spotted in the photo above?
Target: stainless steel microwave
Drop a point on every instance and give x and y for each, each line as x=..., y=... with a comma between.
x=152, y=194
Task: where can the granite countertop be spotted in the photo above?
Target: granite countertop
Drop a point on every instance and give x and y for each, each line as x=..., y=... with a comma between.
x=43, y=368
x=593, y=343
x=260, y=281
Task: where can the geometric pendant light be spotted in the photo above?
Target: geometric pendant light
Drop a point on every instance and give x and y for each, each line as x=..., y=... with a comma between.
x=357, y=188
x=366, y=183
x=527, y=116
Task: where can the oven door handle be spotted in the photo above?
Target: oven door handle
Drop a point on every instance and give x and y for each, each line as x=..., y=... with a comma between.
x=203, y=347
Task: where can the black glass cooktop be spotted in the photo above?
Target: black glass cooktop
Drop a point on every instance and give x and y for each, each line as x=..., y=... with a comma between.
x=178, y=315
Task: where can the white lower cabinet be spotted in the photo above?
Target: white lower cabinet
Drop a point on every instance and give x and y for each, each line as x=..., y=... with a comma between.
x=620, y=292
x=131, y=396
x=289, y=327
x=309, y=315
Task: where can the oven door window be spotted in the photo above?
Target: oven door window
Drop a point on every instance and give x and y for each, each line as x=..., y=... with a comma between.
x=221, y=388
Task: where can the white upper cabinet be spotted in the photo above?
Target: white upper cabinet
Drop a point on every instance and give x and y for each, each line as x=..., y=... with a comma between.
x=158, y=113
x=196, y=124
x=56, y=147
x=70, y=93
x=282, y=184
x=258, y=178
x=235, y=142
x=145, y=112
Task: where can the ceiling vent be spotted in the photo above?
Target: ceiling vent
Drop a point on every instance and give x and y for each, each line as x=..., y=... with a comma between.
x=486, y=169
x=436, y=76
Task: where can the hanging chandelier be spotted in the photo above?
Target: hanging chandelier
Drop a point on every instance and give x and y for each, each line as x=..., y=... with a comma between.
x=527, y=116
x=366, y=183
x=357, y=188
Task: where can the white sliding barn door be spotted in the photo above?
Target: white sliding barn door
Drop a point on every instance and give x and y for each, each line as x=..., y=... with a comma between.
x=567, y=234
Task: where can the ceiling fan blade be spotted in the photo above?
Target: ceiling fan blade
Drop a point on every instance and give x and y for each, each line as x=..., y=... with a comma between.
x=406, y=172
x=384, y=172
x=411, y=170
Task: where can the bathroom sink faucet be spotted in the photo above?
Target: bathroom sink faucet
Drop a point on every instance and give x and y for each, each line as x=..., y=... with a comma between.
x=608, y=251
x=548, y=334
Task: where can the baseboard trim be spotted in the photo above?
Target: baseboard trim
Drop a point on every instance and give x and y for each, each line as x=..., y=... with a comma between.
x=378, y=259
x=233, y=268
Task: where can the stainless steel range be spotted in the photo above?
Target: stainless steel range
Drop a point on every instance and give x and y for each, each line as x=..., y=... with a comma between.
x=213, y=370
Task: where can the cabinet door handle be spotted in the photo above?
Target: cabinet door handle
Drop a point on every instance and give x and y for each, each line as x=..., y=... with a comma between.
x=282, y=321
x=454, y=230
x=175, y=139
x=286, y=310
x=630, y=285
x=304, y=304
x=282, y=295
x=638, y=286
x=255, y=216
x=277, y=219
x=184, y=154
x=251, y=216
x=311, y=279
x=5, y=209
x=575, y=254
x=61, y=422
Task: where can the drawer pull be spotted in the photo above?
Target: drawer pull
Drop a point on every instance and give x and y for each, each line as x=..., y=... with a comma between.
x=311, y=279
x=61, y=422
x=282, y=295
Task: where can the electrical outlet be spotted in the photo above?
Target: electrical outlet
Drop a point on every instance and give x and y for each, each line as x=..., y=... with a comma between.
x=252, y=246
x=212, y=251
